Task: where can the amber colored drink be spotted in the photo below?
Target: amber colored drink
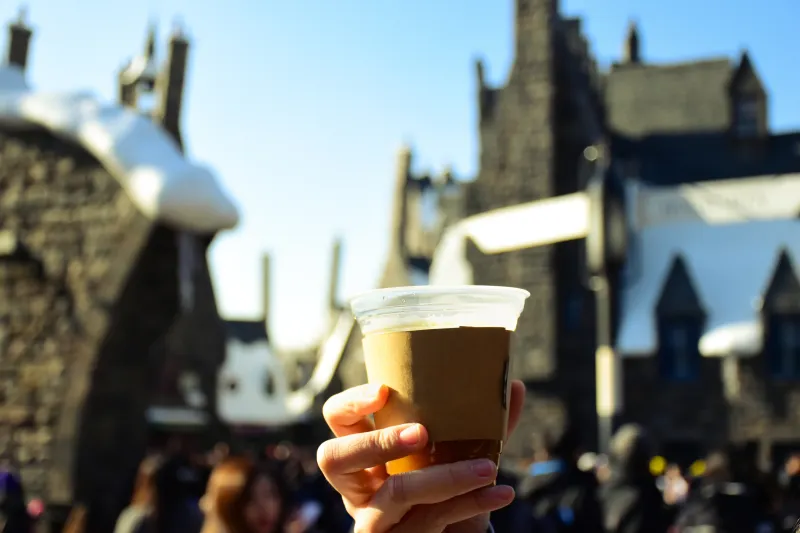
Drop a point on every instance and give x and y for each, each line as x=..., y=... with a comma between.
x=447, y=452
x=443, y=353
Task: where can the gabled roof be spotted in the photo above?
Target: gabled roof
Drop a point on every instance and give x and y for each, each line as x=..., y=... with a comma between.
x=247, y=331
x=783, y=293
x=678, y=294
x=670, y=159
x=144, y=159
x=646, y=98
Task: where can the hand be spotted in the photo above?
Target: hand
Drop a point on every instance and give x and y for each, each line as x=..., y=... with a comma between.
x=455, y=497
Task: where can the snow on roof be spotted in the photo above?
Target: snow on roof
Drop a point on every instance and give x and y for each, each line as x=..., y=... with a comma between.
x=145, y=160
x=730, y=265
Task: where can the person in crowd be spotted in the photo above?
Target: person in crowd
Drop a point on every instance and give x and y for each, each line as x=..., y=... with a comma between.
x=507, y=519
x=76, y=522
x=161, y=501
x=674, y=486
x=14, y=515
x=318, y=503
x=456, y=496
x=561, y=496
x=723, y=500
x=788, y=505
x=630, y=500
x=244, y=496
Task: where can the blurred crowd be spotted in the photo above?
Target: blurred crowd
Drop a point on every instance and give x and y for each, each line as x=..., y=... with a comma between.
x=627, y=491
x=560, y=490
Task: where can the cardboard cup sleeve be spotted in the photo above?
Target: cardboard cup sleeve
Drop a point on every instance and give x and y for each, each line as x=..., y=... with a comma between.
x=453, y=381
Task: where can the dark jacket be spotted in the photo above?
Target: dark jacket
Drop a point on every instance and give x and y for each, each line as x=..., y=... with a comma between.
x=727, y=507
x=561, y=498
x=630, y=500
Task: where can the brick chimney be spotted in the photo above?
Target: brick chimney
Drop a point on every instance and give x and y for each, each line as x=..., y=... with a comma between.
x=170, y=83
x=19, y=39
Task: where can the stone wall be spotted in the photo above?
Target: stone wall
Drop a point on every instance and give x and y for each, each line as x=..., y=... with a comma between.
x=78, y=316
x=532, y=132
x=70, y=216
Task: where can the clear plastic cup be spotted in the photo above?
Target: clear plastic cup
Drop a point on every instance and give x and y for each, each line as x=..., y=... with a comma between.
x=444, y=354
x=438, y=307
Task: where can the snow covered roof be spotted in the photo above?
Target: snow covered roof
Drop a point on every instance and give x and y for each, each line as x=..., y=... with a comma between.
x=730, y=266
x=145, y=160
x=510, y=228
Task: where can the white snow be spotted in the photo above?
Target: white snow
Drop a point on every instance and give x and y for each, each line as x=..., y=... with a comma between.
x=730, y=265
x=510, y=228
x=137, y=152
x=742, y=339
x=250, y=365
x=450, y=265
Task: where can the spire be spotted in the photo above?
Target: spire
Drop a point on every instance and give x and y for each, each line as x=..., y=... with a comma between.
x=266, y=284
x=333, y=283
x=19, y=40
x=631, y=53
x=399, y=215
x=150, y=43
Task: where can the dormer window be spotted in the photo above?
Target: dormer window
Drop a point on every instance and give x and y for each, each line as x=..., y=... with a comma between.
x=783, y=345
x=781, y=320
x=679, y=354
x=746, y=117
x=680, y=320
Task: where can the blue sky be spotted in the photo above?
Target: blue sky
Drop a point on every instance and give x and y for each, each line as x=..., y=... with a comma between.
x=300, y=106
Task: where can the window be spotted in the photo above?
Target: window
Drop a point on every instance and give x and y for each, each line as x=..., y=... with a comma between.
x=746, y=116
x=269, y=384
x=679, y=355
x=783, y=345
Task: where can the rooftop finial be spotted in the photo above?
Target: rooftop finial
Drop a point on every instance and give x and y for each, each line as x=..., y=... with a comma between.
x=631, y=52
x=22, y=15
x=178, y=28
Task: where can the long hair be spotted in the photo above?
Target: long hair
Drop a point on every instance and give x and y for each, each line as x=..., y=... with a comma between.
x=230, y=489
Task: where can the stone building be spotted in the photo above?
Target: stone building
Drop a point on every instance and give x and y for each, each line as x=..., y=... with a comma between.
x=107, y=314
x=692, y=153
x=266, y=395
x=696, y=132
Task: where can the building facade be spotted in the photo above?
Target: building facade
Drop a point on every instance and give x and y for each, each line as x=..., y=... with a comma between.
x=108, y=317
x=690, y=146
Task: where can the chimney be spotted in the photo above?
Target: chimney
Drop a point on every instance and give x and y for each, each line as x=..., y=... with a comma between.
x=333, y=287
x=18, y=42
x=631, y=53
x=400, y=215
x=169, y=87
x=265, y=286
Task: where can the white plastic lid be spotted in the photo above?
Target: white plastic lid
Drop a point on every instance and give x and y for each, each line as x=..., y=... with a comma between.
x=438, y=307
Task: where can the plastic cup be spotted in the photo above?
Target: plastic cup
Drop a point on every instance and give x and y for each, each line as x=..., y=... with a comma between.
x=444, y=353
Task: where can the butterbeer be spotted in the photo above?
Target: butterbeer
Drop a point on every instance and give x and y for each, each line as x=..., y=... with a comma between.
x=444, y=355
x=449, y=451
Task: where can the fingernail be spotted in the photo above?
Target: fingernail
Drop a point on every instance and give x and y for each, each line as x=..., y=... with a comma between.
x=373, y=391
x=484, y=468
x=501, y=494
x=410, y=435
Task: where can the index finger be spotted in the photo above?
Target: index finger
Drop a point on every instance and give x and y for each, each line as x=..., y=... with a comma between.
x=346, y=413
